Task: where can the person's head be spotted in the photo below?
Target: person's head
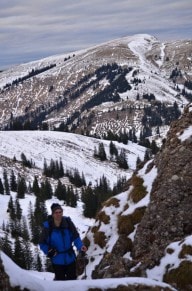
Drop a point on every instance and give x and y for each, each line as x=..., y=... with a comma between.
x=57, y=211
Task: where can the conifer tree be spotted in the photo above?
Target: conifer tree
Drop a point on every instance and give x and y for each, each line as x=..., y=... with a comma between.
x=45, y=168
x=35, y=187
x=112, y=149
x=61, y=170
x=40, y=215
x=27, y=254
x=6, y=183
x=13, y=182
x=60, y=191
x=138, y=162
x=71, y=199
x=1, y=187
x=56, y=173
x=46, y=191
x=37, y=264
x=11, y=208
x=21, y=187
x=90, y=202
x=18, y=209
x=95, y=154
x=101, y=152
x=24, y=229
x=18, y=253
x=83, y=182
x=31, y=217
x=121, y=160
x=6, y=245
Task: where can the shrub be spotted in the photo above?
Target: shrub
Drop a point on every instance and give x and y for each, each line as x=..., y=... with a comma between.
x=100, y=238
x=102, y=216
x=94, y=229
x=137, y=215
x=112, y=201
x=139, y=191
x=125, y=224
x=186, y=250
x=170, y=251
x=181, y=276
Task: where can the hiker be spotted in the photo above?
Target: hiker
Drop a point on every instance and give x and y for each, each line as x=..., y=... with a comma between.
x=56, y=241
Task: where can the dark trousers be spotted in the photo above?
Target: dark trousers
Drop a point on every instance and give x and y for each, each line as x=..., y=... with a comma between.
x=65, y=272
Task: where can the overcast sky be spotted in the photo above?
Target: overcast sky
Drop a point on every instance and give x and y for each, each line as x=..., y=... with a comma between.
x=31, y=30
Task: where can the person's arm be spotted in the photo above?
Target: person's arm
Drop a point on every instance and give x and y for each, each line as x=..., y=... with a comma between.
x=76, y=237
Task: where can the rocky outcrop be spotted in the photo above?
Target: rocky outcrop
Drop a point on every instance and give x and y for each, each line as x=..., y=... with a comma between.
x=169, y=216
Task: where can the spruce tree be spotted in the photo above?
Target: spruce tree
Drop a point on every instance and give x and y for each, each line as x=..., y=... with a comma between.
x=61, y=170
x=45, y=168
x=27, y=254
x=18, y=253
x=121, y=160
x=24, y=229
x=6, y=183
x=6, y=245
x=37, y=264
x=90, y=202
x=60, y=191
x=18, y=209
x=13, y=182
x=11, y=209
x=112, y=149
x=31, y=217
x=46, y=191
x=101, y=152
x=35, y=186
x=40, y=215
x=21, y=187
x=1, y=187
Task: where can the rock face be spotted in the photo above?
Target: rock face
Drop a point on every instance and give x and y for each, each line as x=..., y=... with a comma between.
x=168, y=217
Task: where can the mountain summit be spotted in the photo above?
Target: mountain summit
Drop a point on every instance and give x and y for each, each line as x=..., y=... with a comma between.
x=118, y=85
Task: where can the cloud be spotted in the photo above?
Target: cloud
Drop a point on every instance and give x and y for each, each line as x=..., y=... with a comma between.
x=55, y=26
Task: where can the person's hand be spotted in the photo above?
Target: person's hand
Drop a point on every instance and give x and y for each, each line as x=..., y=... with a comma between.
x=84, y=249
x=52, y=253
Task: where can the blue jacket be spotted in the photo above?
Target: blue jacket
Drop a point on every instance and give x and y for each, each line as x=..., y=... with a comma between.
x=62, y=239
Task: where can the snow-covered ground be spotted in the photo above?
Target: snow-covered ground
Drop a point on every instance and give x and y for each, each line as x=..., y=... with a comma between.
x=35, y=281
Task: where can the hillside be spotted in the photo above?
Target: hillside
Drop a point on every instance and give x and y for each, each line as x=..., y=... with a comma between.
x=65, y=109
x=152, y=231
x=105, y=88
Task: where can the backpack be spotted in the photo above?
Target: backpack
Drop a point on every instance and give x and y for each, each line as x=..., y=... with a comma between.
x=66, y=223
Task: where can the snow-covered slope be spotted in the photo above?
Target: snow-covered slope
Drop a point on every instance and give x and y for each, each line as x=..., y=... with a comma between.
x=71, y=79
x=75, y=151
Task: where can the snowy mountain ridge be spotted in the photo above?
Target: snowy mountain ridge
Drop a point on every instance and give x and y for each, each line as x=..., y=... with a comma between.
x=101, y=89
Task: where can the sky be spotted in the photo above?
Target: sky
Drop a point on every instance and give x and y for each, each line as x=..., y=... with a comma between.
x=31, y=30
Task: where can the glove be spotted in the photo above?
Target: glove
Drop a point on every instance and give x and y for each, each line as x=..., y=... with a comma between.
x=52, y=253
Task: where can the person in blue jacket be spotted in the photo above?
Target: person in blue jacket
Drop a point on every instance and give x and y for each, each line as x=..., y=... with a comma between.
x=58, y=236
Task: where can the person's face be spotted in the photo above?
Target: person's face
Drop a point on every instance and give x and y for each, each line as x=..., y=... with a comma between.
x=57, y=214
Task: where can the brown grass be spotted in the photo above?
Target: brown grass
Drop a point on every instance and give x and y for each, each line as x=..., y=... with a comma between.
x=100, y=238
x=180, y=276
x=102, y=216
x=139, y=191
